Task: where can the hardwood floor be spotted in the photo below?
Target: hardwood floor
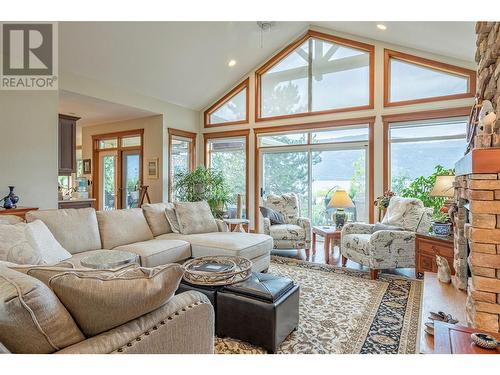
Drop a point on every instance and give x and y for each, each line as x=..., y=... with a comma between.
x=318, y=256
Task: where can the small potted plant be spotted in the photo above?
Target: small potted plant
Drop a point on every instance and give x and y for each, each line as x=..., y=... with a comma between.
x=441, y=223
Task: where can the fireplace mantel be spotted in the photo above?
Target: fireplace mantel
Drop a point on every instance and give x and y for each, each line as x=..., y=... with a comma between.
x=480, y=160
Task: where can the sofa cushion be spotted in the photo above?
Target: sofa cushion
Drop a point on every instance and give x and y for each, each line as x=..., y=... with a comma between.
x=195, y=217
x=123, y=227
x=157, y=252
x=32, y=319
x=75, y=229
x=10, y=219
x=103, y=300
x=287, y=232
x=172, y=217
x=155, y=216
x=247, y=245
x=31, y=243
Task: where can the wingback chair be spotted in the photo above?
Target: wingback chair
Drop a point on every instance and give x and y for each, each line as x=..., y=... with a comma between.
x=390, y=244
x=296, y=232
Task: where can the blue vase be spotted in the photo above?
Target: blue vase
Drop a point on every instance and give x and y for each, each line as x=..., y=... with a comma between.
x=13, y=197
x=7, y=203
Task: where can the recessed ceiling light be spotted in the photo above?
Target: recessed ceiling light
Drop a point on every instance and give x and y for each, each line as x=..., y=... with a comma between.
x=381, y=26
x=231, y=63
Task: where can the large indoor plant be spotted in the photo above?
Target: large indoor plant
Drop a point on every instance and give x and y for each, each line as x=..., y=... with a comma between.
x=203, y=184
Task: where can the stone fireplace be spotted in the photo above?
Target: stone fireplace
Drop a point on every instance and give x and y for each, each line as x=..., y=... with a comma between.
x=477, y=196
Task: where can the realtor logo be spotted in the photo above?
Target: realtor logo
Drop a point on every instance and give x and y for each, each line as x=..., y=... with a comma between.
x=29, y=56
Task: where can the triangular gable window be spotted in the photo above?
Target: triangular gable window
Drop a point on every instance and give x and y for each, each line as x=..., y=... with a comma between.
x=231, y=109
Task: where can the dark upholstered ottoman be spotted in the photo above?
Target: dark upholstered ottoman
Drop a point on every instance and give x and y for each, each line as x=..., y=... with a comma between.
x=262, y=310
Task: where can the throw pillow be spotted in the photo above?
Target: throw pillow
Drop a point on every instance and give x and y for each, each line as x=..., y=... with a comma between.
x=172, y=217
x=273, y=216
x=397, y=209
x=195, y=217
x=32, y=319
x=380, y=226
x=31, y=243
x=100, y=301
x=156, y=218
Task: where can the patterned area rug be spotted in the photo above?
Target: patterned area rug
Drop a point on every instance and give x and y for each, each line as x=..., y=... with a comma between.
x=342, y=311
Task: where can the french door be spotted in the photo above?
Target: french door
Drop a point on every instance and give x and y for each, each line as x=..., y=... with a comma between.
x=117, y=173
x=313, y=172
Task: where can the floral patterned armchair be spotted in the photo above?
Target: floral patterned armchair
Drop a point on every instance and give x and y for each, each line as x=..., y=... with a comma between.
x=377, y=247
x=296, y=233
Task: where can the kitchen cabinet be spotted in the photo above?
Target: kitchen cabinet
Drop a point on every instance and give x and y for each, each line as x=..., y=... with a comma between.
x=67, y=145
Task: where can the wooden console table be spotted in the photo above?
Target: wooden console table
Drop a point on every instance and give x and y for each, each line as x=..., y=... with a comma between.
x=19, y=211
x=455, y=339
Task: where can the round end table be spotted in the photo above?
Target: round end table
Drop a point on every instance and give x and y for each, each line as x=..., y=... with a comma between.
x=109, y=259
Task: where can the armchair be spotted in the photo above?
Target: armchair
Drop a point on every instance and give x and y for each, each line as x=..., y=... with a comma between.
x=390, y=245
x=296, y=232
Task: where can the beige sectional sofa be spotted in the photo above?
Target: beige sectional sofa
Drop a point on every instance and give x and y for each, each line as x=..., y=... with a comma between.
x=147, y=233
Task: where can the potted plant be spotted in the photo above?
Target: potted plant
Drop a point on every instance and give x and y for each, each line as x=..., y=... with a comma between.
x=203, y=184
x=441, y=223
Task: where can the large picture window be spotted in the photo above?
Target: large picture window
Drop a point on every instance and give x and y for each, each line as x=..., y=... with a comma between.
x=227, y=152
x=231, y=109
x=411, y=79
x=181, y=156
x=318, y=73
x=416, y=147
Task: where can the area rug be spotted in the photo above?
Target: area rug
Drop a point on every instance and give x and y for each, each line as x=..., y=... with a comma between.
x=342, y=311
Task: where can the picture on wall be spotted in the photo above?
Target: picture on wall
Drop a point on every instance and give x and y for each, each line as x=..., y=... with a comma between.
x=152, y=168
x=87, y=166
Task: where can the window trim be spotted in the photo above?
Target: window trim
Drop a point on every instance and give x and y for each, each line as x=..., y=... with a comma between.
x=232, y=134
x=192, y=151
x=289, y=49
x=219, y=103
x=370, y=121
x=413, y=116
x=427, y=63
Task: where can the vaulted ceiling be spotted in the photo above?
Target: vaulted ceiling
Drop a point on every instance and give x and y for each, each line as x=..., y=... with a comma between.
x=186, y=63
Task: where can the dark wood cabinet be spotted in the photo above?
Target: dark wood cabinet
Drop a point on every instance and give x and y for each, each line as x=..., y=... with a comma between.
x=67, y=145
x=427, y=247
x=78, y=203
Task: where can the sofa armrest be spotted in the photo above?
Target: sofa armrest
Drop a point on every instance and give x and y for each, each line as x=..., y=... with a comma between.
x=305, y=223
x=184, y=325
x=357, y=228
x=221, y=225
x=267, y=226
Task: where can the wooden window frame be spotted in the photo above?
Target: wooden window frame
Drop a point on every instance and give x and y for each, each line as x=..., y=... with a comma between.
x=289, y=49
x=413, y=116
x=232, y=134
x=95, y=159
x=470, y=75
x=370, y=121
x=192, y=155
x=219, y=103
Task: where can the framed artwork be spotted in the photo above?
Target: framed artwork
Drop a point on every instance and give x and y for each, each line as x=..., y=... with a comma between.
x=152, y=168
x=87, y=166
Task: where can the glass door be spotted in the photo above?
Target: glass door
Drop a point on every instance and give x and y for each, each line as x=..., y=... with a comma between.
x=107, y=181
x=130, y=178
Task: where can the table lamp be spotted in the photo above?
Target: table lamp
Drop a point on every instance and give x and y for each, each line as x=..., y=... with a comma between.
x=443, y=187
x=340, y=200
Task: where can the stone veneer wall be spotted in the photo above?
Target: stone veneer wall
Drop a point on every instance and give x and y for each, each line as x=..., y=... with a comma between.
x=481, y=228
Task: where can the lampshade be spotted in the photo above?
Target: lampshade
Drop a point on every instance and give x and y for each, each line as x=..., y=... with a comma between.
x=443, y=187
x=340, y=199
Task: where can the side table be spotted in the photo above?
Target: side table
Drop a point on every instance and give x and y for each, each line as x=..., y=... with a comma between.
x=330, y=234
x=427, y=246
x=109, y=259
x=236, y=224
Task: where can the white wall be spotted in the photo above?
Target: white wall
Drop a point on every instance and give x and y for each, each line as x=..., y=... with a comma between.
x=28, y=146
x=378, y=110
x=153, y=146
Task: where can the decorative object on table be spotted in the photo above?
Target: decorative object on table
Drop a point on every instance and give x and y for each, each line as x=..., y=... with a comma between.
x=444, y=271
x=152, y=168
x=87, y=166
x=340, y=200
x=382, y=203
x=439, y=316
x=11, y=199
x=484, y=341
x=109, y=259
x=203, y=184
x=441, y=224
x=239, y=206
x=236, y=269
